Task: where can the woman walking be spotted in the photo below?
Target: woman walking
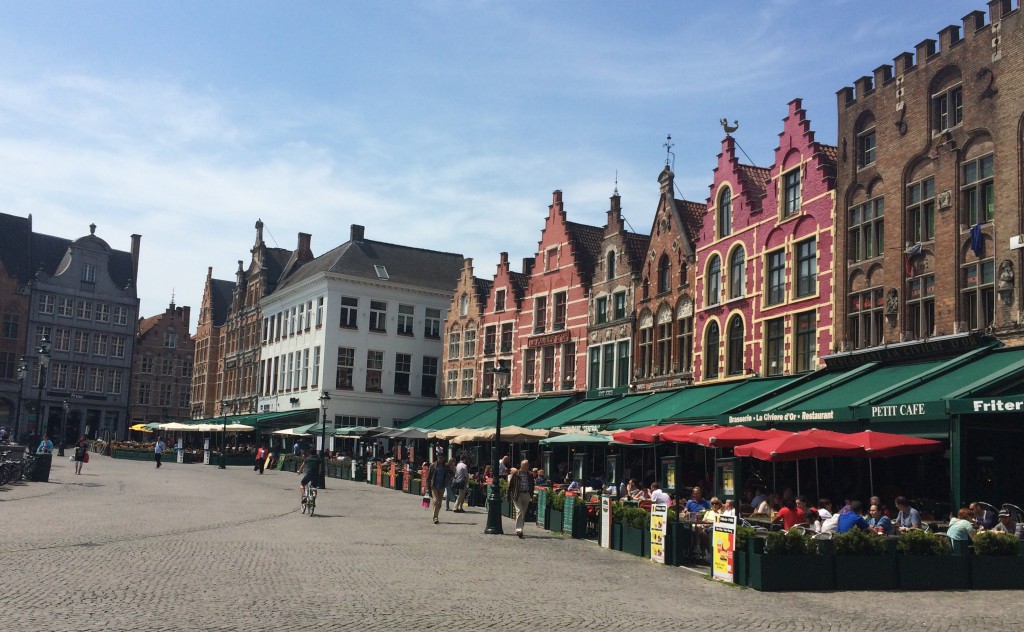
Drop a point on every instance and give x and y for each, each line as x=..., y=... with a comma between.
x=81, y=454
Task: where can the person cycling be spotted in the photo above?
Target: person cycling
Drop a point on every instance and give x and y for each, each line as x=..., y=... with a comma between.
x=309, y=468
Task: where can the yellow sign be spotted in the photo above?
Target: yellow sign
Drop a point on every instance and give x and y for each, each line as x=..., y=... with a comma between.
x=659, y=529
x=723, y=545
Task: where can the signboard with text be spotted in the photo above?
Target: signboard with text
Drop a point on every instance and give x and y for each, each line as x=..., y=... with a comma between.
x=723, y=547
x=606, y=522
x=542, y=508
x=659, y=530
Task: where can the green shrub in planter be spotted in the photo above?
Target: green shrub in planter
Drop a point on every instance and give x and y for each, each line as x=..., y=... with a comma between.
x=634, y=517
x=558, y=501
x=859, y=542
x=617, y=509
x=635, y=523
x=790, y=542
x=925, y=563
x=996, y=562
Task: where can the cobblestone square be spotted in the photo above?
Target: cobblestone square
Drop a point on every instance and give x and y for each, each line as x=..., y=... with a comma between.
x=125, y=546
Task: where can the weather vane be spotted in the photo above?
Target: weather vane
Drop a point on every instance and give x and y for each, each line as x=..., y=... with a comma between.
x=669, y=156
x=729, y=129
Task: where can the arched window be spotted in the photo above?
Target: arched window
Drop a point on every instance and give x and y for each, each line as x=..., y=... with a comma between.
x=714, y=283
x=610, y=265
x=711, y=351
x=725, y=212
x=663, y=274
x=737, y=273
x=734, y=366
x=463, y=305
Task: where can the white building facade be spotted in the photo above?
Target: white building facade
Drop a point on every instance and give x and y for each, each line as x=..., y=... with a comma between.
x=362, y=322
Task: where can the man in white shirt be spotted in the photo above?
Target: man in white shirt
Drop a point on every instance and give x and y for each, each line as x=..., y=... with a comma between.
x=659, y=497
x=503, y=466
x=459, y=483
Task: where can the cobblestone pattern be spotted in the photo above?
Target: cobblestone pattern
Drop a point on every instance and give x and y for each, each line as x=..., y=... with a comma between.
x=128, y=547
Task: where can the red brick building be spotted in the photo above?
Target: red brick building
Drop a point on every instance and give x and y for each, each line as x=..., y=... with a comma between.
x=500, y=324
x=550, y=338
x=162, y=367
x=764, y=280
x=207, y=345
x=664, y=304
x=928, y=193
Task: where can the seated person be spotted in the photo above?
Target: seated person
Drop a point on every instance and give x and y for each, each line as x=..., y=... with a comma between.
x=961, y=528
x=982, y=517
x=728, y=509
x=759, y=497
x=852, y=518
x=879, y=522
x=539, y=478
x=814, y=520
x=793, y=512
x=824, y=508
x=631, y=490
x=659, y=497
x=1007, y=525
x=641, y=493
x=769, y=504
x=875, y=500
x=908, y=517
x=697, y=504
x=716, y=510
x=830, y=524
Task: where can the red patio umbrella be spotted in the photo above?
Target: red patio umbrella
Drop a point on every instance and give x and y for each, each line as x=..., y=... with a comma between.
x=653, y=434
x=798, y=445
x=624, y=436
x=732, y=436
x=879, y=444
x=883, y=444
x=681, y=433
x=794, y=446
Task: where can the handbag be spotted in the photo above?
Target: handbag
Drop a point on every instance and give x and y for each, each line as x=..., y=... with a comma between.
x=85, y=458
x=426, y=500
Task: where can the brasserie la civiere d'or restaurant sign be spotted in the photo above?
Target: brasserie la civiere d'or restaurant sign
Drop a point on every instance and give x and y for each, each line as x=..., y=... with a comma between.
x=889, y=412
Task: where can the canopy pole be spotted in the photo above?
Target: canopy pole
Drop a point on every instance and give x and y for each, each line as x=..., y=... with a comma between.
x=817, y=483
x=798, y=477
x=871, y=475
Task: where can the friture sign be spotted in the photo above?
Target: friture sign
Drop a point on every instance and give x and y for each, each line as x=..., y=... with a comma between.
x=549, y=339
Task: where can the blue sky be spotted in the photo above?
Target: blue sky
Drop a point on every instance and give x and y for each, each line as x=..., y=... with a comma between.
x=438, y=124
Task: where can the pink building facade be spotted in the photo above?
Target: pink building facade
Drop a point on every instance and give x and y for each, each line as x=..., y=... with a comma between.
x=764, y=261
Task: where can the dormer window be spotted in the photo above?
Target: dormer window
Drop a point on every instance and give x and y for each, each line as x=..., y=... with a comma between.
x=89, y=273
x=382, y=273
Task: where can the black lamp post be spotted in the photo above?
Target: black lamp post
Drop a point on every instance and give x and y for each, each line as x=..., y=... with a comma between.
x=44, y=361
x=63, y=428
x=223, y=434
x=501, y=375
x=22, y=372
x=325, y=399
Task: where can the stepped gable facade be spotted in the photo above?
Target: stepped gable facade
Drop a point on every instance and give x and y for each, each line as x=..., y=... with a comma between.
x=464, y=363
x=765, y=262
x=500, y=322
x=549, y=345
x=929, y=199
x=664, y=300
x=617, y=274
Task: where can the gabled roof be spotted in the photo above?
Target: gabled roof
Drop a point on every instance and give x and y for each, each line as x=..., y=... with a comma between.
x=221, y=293
x=636, y=250
x=753, y=179
x=692, y=216
x=415, y=267
x=586, y=241
x=519, y=282
x=830, y=151
x=482, y=287
x=275, y=262
x=24, y=252
x=148, y=323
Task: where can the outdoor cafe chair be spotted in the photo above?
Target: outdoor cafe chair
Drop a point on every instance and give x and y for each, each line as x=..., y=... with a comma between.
x=945, y=538
x=827, y=535
x=1015, y=511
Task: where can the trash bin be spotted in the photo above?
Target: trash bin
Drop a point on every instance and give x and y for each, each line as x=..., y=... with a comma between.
x=41, y=468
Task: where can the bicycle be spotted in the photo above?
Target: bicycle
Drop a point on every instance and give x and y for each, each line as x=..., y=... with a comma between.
x=309, y=499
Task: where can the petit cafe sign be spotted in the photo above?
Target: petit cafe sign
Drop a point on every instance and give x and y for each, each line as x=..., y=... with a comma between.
x=898, y=410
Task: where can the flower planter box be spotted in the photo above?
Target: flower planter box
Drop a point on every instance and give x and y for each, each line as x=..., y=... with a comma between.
x=997, y=572
x=787, y=572
x=934, y=572
x=739, y=569
x=346, y=472
x=555, y=520
x=478, y=497
x=373, y=476
x=506, y=508
x=415, y=487
x=616, y=536
x=398, y=482
x=633, y=540
x=866, y=572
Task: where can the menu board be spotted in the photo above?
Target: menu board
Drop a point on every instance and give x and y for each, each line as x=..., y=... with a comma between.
x=570, y=504
x=659, y=529
x=606, y=522
x=542, y=508
x=723, y=544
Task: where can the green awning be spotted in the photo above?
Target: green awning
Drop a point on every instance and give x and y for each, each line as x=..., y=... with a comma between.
x=677, y=401
x=536, y=409
x=283, y=419
x=566, y=416
x=634, y=407
x=488, y=418
x=711, y=402
x=428, y=418
x=460, y=417
x=864, y=386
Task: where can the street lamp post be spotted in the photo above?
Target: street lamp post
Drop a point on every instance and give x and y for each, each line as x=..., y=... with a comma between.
x=44, y=361
x=223, y=434
x=63, y=428
x=325, y=399
x=22, y=372
x=501, y=375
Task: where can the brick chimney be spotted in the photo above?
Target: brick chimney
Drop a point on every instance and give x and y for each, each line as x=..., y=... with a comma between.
x=356, y=233
x=136, y=241
x=303, y=252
